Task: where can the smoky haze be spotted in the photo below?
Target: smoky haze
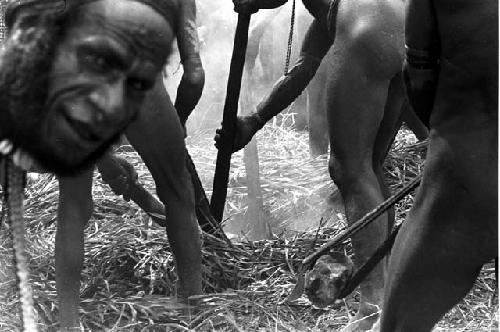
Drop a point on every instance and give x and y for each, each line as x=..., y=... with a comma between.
x=216, y=22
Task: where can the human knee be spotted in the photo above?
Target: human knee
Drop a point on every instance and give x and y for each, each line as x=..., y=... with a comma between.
x=177, y=190
x=194, y=74
x=343, y=174
x=335, y=170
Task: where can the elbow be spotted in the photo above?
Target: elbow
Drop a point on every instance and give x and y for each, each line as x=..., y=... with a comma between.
x=194, y=79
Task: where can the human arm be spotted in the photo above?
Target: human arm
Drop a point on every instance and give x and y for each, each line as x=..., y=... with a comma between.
x=193, y=79
x=314, y=47
x=421, y=65
x=316, y=44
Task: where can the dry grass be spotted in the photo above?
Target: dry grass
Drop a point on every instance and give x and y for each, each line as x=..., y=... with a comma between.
x=129, y=267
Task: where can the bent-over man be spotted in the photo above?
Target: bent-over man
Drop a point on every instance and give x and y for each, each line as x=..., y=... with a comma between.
x=117, y=172
x=451, y=73
x=360, y=45
x=74, y=75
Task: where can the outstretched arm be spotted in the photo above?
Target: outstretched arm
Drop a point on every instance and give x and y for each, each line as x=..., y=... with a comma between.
x=192, y=81
x=316, y=43
x=420, y=68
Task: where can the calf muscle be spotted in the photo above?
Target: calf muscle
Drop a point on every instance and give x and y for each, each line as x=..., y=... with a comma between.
x=173, y=182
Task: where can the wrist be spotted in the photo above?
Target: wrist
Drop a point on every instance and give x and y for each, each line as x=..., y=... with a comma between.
x=258, y=120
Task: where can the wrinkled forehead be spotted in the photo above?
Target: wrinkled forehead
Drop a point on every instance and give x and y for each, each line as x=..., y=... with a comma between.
x=149, y=22
x=132, y=23
x=169, y=9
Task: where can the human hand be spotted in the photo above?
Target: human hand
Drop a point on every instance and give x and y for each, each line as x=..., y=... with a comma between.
x=246, y=127
x=245, y=6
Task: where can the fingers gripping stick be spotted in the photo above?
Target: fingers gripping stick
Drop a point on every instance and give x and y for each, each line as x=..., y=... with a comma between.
x=229, y=117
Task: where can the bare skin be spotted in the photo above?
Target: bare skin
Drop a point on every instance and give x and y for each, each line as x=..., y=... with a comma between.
x=266, y=53
x=75, y=192
x=173, y=186
x=106, y=67
x=263, y=47
x=362, y=53
x=82, y=107
x=453, y=225
x=157, y=122
x=118, y=172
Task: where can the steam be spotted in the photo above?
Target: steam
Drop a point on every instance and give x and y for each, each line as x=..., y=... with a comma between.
x=216, y=26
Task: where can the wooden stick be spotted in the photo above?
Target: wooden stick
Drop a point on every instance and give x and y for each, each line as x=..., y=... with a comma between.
x=229, y=117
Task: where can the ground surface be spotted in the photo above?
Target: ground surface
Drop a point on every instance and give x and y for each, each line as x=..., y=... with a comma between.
x=129, y=272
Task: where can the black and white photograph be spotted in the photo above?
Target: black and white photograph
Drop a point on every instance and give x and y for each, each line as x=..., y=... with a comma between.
x=249, y=165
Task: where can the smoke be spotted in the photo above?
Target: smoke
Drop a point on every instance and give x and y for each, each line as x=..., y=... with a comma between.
x=216, y=22
x=216, y=27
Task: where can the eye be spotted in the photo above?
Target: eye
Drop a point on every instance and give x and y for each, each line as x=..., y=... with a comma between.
x=139, y=84
x=100, y=56
x=96, y=62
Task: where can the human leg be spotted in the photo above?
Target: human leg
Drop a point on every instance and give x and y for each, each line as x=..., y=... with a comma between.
x=450, y=233
x=354, y=117
x=74, y=211
x=158, y=137
x=388, y=129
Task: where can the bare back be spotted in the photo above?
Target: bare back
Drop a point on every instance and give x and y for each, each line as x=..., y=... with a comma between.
x=468, y=35
x=452, y=228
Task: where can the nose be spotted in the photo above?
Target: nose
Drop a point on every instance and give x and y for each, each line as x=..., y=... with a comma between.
x=109, y=102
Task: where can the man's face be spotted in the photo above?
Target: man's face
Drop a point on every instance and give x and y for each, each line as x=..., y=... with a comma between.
x=101, y=70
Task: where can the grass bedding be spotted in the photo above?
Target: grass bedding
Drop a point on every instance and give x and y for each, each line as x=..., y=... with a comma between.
x=129, y=275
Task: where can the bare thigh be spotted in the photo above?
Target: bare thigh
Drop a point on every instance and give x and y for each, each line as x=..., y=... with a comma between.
x=450, y=233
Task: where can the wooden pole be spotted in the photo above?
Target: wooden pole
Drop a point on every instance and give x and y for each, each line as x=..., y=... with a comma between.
x=222, y=165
